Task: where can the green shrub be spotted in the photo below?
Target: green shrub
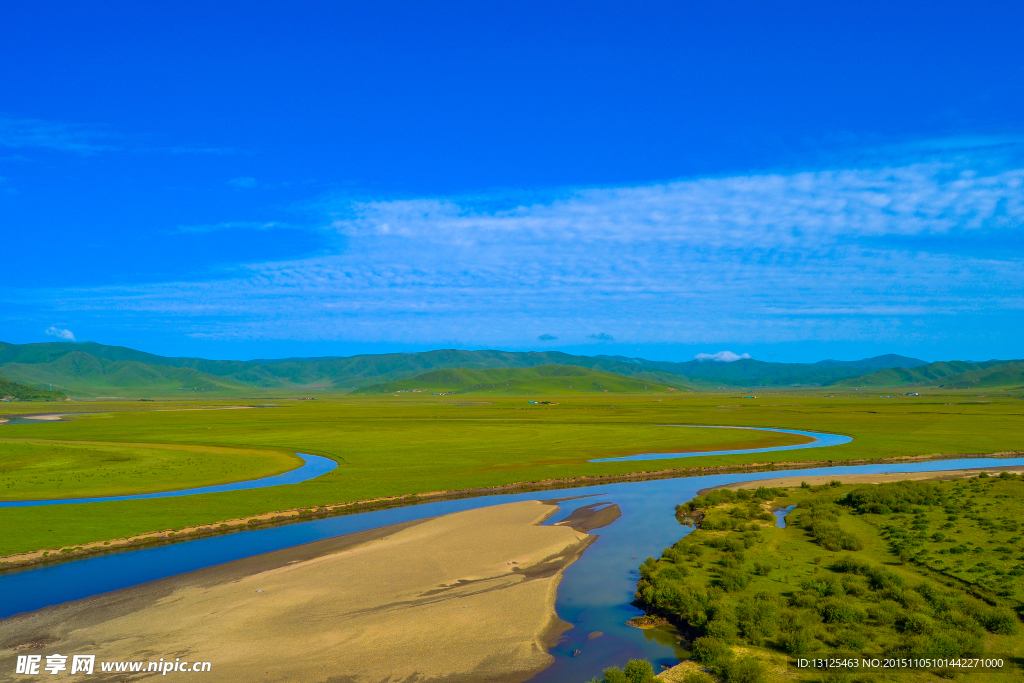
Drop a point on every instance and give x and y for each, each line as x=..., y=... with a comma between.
x=722, y=628
x=837, y=611
x=852, y=638
x=833, y=537
x=614, y=675
x=639, y=671
x=835, y=676
x=635, y=671
x=885, y=613
x=743, y=670
x=710, y=651
x=733, y=580
x=758, y=618
x=799, y=642
x=1001, y=620
x=916, y=623
x=698, y=677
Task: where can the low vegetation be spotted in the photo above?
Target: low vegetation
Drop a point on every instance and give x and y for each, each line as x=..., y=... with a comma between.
x=22, y=392
x=901, y=569
x=635, y=671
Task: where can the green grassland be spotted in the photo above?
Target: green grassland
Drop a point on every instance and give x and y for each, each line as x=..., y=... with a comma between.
x=900, y=569
x=546, y=380
x=39, y=470
x=395, y=446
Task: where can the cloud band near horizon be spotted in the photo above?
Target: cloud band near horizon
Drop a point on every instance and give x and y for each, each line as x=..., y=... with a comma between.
x=846, y=254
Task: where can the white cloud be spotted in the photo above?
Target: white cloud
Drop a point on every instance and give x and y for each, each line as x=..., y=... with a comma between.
x=60, y=333
x=721, y=357
x=244, y=182
x=838, y=254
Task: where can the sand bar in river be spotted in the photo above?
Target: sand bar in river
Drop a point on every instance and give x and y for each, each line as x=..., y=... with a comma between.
x=464, y=597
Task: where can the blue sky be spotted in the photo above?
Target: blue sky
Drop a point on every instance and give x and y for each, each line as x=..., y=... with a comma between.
x=794, y=181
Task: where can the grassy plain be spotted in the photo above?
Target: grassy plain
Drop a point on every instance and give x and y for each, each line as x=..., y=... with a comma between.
x=542, y=380
x=389, y=446
x=897, y=569
x=40, y=469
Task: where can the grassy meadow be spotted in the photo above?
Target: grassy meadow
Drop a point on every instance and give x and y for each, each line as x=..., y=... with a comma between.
x=390, y=446
x=542, y=380
x=900, y=569
x=40, y=469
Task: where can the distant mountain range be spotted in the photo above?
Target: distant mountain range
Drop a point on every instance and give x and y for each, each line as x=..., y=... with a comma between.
x=90, y=370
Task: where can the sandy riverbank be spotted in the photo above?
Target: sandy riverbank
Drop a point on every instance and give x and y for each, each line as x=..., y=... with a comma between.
x=464, y=597
x=879, y=478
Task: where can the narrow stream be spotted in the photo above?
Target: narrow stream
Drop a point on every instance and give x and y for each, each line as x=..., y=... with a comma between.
x=595, y=593
x=781, y=514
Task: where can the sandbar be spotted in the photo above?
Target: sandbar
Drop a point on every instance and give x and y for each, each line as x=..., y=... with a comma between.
x=465, y=597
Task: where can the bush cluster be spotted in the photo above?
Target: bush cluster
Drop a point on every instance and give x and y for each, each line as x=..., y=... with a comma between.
x=720, y=585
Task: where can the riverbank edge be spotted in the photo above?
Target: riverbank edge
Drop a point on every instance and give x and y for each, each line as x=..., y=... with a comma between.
x=876, y=478
x=49, y=556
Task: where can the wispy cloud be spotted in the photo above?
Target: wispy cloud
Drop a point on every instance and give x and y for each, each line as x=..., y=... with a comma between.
x=234, y=225
x=547, y=337
x=243, y=182
x=64, y=137
x=775, y=257
x=60, y=136
x=60, y=333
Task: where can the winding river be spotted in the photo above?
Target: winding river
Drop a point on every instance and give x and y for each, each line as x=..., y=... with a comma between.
x=314, y=465
x=594, y=595
x=820, y=440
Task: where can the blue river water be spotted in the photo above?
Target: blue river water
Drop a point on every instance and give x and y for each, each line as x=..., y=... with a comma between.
x=821, y=440
x=594, y=595
x=781, y=514
x=312, y=467
x=315, y=465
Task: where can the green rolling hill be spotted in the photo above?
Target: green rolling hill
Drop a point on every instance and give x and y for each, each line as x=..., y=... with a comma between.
x=95, y=370
x=88, y=369
x=548, y=380
x=947, y=375
x=23, y=392
x=754, y=373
